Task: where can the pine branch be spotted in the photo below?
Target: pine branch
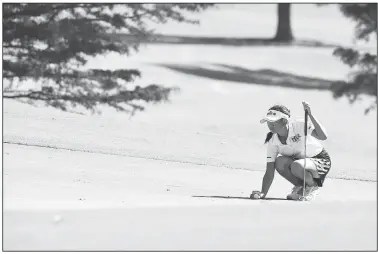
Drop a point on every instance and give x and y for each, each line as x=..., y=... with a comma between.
x=42, y=45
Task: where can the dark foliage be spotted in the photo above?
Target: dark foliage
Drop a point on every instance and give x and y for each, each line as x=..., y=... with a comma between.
x=50, y=43
x=363, y=78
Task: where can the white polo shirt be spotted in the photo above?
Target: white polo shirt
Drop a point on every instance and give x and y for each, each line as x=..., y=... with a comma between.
x=295, y=142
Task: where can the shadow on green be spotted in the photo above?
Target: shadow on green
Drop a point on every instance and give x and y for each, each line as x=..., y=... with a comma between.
x=267, y=77
x=231, y=197
x=223, y=41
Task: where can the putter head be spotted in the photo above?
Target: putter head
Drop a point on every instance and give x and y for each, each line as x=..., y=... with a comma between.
x=310, y=196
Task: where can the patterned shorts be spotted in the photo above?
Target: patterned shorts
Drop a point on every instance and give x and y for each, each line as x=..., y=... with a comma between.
x=322, y=162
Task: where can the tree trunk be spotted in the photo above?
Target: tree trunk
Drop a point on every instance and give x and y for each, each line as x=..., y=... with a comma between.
x=284, y=26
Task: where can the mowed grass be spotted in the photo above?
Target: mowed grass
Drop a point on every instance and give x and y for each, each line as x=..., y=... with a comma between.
x=212, y=120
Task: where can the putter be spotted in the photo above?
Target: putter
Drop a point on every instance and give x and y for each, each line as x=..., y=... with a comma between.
x=305, y=139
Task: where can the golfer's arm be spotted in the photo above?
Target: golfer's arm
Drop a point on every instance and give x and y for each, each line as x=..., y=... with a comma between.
x=268, y=178
x=320, y=132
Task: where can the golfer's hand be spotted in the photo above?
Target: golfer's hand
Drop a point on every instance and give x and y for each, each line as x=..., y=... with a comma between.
x=257, y=195
x=306, y=107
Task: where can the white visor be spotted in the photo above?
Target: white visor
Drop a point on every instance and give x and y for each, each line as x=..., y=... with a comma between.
x=274, y=115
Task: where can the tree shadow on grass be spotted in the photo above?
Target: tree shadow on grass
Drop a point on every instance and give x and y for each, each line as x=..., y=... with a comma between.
x=268, y=77
x=224, y=41
x=246, y=198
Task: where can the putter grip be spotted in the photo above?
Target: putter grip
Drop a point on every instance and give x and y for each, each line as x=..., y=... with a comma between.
x=306, y=118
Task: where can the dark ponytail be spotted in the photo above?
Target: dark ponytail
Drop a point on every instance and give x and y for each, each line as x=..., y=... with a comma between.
x=268, y=137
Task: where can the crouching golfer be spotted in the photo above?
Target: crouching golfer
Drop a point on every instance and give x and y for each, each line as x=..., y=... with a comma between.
x=286, y=138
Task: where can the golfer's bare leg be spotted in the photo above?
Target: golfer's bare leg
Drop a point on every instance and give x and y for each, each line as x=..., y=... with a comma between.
x=311, y=171
x=282, y=165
